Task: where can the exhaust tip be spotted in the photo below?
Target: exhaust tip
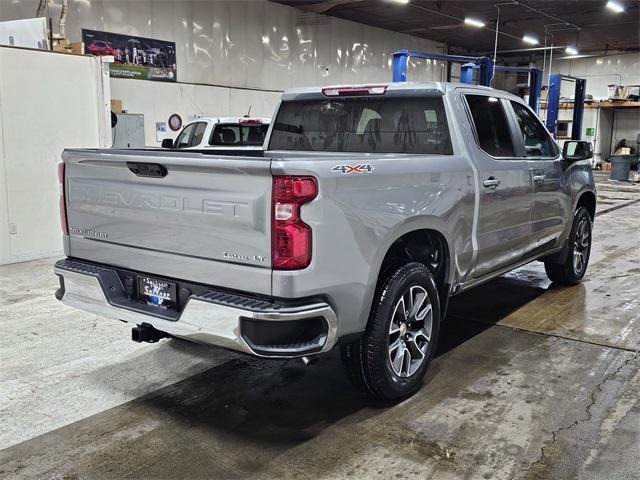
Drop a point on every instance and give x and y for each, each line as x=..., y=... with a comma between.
x=309, y=360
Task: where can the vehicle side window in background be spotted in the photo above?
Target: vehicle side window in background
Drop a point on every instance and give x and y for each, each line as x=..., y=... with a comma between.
x=537, y=141
x=363, y=124
x=184, y=139
x=491, y=125
x=198, y=133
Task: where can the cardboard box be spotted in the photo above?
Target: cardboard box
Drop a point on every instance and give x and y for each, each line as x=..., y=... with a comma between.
x=116, y=106
x=77, y=48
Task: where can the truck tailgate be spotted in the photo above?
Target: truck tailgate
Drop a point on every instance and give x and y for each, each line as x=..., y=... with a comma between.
x=195, y=217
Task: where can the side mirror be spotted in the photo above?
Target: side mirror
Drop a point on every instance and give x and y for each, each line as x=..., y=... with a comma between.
x=167, y=143
x=575, y=150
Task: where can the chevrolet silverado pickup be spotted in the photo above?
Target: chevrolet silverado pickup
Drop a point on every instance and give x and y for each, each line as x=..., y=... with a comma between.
x=370, y=207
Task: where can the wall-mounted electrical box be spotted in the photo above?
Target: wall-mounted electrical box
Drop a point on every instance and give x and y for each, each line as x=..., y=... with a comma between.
x=129, y=131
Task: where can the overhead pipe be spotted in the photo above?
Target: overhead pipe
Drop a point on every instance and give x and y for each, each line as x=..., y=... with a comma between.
x=452, y=17
x=544, y=57
x=495, y=45
x=541, y=12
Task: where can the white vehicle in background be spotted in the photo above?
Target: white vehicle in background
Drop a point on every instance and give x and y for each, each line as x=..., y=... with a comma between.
x=237, y=133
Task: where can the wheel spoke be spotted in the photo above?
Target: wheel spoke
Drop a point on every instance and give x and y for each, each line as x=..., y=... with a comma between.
x=408, y=302
x=394, y=346
x=402, y=310
x=416, y=351
x=394, y=328
x=420, y=297
x=406, y=362
x=577, y=261
x=423, y=314
x=585, y=238
x=424, y=334
x=582, y=234
x=397, y=360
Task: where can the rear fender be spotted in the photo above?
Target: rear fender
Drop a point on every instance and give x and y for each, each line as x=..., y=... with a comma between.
x=410, y=225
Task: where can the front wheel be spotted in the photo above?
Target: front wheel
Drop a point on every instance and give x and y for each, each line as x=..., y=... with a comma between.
x=391, y=359
x=579, y=250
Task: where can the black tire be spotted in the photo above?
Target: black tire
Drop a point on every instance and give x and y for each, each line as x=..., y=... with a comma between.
x=368, y=361
x=578, y=252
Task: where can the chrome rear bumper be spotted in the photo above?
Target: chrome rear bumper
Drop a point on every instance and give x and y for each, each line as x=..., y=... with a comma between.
x=214, y=318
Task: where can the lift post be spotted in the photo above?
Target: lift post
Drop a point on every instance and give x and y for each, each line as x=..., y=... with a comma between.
x=553, y=104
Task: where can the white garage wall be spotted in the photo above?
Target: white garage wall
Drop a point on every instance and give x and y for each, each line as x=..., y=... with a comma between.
x=241, y=44
x=600, y=72
x=48, y=102
x=158, y=100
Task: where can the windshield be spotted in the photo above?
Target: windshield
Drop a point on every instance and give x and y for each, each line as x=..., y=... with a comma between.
x=363, y=124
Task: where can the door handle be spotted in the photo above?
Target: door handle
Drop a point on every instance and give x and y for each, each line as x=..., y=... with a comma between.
x=491, y=183
x=539, y=178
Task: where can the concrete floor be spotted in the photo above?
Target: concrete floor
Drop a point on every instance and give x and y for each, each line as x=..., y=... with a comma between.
x=529, y=382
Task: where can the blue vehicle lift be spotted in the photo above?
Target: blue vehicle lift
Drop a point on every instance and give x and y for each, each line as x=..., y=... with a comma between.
x=483, y=64
x=553, y=104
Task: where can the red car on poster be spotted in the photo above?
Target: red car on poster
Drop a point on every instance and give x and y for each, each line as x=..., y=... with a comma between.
x=98, y=47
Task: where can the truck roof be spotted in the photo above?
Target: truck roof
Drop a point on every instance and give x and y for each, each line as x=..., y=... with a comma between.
x=229, y=119
x=390, y=86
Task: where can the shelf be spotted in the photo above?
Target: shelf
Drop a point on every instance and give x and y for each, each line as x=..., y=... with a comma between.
x=596, y=104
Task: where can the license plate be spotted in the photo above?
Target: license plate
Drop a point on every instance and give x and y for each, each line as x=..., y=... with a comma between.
x=157, y=292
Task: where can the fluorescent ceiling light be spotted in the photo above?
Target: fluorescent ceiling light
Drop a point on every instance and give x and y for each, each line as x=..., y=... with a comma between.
x=571, y=51
x=615, y=6
x=399, y=1
x=473, y=22
x=530, y=40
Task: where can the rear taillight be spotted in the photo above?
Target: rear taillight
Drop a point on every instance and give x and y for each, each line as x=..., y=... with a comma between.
x=63, y=204
x=291, y=237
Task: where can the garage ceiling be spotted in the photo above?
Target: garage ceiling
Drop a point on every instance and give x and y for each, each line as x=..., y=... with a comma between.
x=586, y=24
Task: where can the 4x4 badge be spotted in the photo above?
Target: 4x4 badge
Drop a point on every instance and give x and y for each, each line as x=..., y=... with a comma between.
x=347, y=169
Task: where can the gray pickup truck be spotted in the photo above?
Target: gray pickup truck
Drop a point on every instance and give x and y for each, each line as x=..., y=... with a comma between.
x=368, y=209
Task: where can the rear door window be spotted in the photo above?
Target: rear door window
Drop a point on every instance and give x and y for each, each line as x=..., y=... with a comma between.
x=363, y=124
x=491, y=125
x=537, y=142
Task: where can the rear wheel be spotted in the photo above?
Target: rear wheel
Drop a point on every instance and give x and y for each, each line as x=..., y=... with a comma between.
x=579, y=250
x=391, y=359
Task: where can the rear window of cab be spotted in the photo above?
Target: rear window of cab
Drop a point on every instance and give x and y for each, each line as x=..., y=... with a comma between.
x=233, y=134
x=368, y=124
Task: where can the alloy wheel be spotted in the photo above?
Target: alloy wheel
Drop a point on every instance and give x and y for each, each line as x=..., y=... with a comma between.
x=581, y=246
x=410, y=331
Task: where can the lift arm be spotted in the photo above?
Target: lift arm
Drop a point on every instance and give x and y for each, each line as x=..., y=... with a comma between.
x=484, y=64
